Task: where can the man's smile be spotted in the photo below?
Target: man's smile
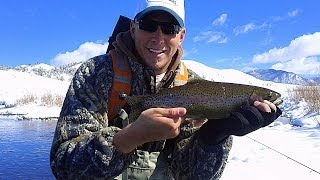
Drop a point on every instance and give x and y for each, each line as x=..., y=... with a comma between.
x=157, y=51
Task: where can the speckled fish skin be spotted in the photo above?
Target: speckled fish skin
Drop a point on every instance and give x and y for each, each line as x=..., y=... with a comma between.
x=202, y=98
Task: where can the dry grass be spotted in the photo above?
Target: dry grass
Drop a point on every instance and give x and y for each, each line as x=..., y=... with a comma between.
x=310, y=94
x=26, y=99
x=47, y=99
x=52, y=100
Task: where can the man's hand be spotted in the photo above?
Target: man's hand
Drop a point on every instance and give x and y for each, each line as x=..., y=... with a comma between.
x=152, y=125
x=250, y=117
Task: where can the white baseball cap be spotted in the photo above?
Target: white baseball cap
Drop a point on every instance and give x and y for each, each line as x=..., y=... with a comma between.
x=174, y=7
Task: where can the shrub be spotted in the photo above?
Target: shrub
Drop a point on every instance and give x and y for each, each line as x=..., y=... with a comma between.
x=47, y=99
x=310, y=94
x=26, y=99
x=52, y=100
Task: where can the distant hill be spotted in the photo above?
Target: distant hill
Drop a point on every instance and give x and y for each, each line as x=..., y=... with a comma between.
x=280, y=76
x=65, y=73
x=62, y=73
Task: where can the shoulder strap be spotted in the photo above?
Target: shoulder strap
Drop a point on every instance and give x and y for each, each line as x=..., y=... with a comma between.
x=121, y=85
x=182, y=75
x=122, y=82
x=123, y=24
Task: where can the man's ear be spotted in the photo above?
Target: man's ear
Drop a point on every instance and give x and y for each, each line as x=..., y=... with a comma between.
x=132, y=29
x=182, y=35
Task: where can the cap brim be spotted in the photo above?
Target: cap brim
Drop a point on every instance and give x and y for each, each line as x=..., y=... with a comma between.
x=146, y=11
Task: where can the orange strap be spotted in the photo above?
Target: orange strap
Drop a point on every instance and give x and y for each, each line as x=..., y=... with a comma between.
x=182, y=76
x=121, y=84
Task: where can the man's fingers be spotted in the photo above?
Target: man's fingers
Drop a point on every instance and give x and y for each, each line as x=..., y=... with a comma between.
x=253, y=99
x=265, y=106
x=271, y=105
x=176, y=112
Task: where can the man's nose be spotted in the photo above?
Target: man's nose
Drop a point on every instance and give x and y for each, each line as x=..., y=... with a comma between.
x=158, y=35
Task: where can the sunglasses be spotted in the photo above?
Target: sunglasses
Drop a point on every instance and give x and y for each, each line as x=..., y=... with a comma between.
x=152, y=26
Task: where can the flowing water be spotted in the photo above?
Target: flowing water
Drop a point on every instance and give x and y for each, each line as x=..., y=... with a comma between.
x=24, y=148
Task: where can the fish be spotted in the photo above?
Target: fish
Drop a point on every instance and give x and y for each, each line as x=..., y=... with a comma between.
x=201, y=98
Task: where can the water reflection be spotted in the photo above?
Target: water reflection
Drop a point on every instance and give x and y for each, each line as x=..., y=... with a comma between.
x=24, y=148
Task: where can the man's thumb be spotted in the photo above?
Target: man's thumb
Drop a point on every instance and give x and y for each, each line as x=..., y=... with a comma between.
x=179, y=111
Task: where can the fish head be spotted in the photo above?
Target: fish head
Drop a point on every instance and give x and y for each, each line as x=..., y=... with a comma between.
x=266, y=94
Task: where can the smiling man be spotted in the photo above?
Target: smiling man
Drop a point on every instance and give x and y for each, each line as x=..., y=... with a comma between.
x=159, y=35
x=94, y=137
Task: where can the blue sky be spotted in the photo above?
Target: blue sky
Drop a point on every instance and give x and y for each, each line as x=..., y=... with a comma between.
x=242, y=34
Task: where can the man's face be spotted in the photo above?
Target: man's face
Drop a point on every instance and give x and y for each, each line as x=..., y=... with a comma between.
x=156, y=48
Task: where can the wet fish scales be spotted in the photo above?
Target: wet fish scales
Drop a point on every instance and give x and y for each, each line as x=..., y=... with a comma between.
x=202, y=98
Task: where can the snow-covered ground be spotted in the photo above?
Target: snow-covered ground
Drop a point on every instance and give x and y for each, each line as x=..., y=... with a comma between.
x=18, y=85
x=279, y=151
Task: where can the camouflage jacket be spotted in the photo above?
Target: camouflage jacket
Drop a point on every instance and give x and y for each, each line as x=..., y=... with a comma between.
x=82, y=147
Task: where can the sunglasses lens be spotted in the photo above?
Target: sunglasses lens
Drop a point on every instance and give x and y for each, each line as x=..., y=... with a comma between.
x=152, y=26
x=170, y=29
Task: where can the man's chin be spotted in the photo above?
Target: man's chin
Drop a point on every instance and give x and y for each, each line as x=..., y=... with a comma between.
x=158, y=68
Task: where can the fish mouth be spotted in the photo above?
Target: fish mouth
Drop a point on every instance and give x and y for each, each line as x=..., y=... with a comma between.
x=272, y=96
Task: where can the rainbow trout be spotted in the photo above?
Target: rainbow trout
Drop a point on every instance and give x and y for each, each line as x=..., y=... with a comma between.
x=201, y=98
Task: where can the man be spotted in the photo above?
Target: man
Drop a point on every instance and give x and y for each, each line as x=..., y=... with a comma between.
x=160, y=143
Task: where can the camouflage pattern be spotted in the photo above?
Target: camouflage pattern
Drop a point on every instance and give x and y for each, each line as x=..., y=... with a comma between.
x=82, y=147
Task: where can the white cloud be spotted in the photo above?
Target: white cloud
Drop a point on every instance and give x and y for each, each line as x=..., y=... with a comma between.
x=220, y=20
x=293, y=13
x=289, y=15
x=244, y=29
x=84, y=52
x=210, y=37
x=247, y=28
x=303, y=46
x=251, y=26
x=223, y=40
x=191, y=52
x=310, y=65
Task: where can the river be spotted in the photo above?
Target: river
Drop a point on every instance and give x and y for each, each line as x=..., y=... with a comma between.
x=25, y=147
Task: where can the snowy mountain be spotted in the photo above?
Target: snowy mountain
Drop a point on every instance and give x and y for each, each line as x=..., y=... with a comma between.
x=60, y=73
x=281, y=77
x=66, y=72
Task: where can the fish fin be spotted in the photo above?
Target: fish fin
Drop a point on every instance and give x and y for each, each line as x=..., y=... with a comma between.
x=196, y=81
x=133, y=100
x=135, y=113
x=136, y=106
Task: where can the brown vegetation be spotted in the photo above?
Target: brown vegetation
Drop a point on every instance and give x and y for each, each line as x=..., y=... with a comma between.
x=310, y=94
x=47, y=99
x=26, y=99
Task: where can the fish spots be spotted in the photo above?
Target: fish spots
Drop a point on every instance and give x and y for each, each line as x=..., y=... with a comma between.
x=205, y=98
x=224, y=90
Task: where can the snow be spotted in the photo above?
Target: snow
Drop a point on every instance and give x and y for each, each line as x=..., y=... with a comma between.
x=289, y=145
x=279, y=151
x=37, y=66
x=16, y=85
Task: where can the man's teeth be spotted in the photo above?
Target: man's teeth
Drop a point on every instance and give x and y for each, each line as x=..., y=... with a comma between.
x=156, y=51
